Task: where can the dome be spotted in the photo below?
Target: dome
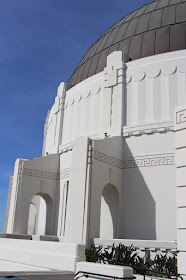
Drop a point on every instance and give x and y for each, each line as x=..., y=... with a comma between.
x=158, y=27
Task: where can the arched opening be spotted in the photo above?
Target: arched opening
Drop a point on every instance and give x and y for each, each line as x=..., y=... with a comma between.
x=40, y=214
x=109, y=209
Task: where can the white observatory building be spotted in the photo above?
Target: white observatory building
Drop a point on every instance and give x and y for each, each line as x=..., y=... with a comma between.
x=113, y=167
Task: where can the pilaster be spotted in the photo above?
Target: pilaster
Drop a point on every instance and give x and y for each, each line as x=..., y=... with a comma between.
x=15, y=186
x=76, y=221
x=114, y=81
x=180, y=157
x=54, y=122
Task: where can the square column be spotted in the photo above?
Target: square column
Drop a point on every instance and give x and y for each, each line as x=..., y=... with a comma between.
x=114, y=90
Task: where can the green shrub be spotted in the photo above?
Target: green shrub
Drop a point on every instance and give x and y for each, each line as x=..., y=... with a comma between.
x=123, y=255
x=94, y=254
x=165, y=264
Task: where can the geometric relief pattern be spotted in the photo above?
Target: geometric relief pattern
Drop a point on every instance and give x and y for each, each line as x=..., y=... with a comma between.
x=65, y=173
x=41, y=174
x=181, y=116
x=109, y=160
x=146, y=161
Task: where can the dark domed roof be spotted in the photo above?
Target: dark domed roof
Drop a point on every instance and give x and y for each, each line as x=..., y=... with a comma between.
x=158, y=27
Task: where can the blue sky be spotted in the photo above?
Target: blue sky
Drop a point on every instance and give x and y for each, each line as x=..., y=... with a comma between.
x=41, y=43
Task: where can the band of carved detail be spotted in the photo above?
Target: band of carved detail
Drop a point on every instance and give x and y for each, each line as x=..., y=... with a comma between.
x=41, y=174
x=152, y=160
x=64, y=173
x=181, y=116
x=47, y=175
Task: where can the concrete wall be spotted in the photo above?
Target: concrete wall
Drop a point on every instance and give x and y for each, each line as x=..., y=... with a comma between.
x=149, y=193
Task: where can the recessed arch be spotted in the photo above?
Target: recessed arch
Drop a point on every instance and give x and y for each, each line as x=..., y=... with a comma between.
x=109, y=212
x=40, y=215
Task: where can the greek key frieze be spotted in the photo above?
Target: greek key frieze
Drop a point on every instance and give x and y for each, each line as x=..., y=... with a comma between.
x=47, y=175
x=109, y=160
x=181, y=116
x=41, y=174
x=152, y=160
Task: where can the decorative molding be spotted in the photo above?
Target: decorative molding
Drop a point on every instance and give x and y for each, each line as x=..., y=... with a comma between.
x=109, y=160
x=64, y=173
x=139, y=73
x=65, y=148
x=41, y=174
x=153, y=160
x=142, y=161
x=71, y=100
x=139, y=76
x=168, y=69
x=149, y=128
x=182, y=68
x=147, y=131
x=181, y=116
x=113, y=76
x=153, y=73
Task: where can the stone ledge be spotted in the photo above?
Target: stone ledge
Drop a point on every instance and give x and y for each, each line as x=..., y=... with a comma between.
x=45, y=238
x=107, y=270
x=15, y=236
x=151, y=244
x=149, y=128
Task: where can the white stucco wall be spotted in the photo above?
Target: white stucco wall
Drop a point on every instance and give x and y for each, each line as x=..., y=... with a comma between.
x=145, y=178
x=102, y=175
x=155, y=86
x=142, y=92
x=37, y=176
x=83, y=109
x=149, y=180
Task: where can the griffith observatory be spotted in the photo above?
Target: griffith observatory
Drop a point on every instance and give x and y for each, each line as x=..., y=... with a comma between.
x=113, y=165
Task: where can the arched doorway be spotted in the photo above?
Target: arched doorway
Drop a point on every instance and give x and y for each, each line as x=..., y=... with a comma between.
x=109, y=209
x=40, y=215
